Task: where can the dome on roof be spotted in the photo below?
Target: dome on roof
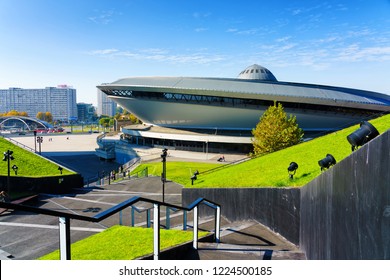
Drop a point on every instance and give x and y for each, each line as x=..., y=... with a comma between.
x=257, y=72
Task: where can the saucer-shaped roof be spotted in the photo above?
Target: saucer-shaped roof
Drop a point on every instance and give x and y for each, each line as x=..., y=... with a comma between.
x=257, y=72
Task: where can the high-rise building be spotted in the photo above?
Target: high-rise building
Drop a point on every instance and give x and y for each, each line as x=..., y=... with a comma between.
x=85, y=112
x=60, y=101
x=106, y=106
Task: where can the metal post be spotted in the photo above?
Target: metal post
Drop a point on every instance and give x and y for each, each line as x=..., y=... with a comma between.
x=164, y=171
x=120, y=217
x=184, y=219
x=132, y=216
x=156, y=231
x=64, y=225
x=148, y=218
x=218, y=224
x=9, y=174
x=195, y=241
x=35, y=141
x=167, y=219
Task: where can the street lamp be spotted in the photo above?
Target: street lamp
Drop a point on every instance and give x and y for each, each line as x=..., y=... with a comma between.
x=164, y=172
x=35, y=140
x=8, y=157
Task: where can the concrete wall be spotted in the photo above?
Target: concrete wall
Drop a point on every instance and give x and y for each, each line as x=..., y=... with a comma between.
x=342, y=214
x=345, y=212
x=55, y=184
x=277, y=208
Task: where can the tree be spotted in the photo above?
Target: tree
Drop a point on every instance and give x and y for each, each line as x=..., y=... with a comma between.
x=275, y=131
x=105, y=122
x=40, y=116
x=13, y=113
x=48, y=117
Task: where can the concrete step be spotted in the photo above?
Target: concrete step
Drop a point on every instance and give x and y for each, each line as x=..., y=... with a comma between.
x=222, y=251
x=249, y=240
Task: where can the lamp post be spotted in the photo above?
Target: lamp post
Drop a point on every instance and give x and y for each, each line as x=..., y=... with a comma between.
x=164, y=172
x=35, y=141
x=8, y=157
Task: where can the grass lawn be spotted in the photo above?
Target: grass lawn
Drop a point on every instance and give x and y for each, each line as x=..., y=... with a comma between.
x=269, y=170
x=29, y=164
x=179, y=172
x=123, y=243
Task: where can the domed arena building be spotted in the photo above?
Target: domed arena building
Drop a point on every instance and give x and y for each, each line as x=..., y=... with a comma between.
x=218, y=114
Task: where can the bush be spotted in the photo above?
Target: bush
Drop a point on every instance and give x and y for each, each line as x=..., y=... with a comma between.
x=275, y=131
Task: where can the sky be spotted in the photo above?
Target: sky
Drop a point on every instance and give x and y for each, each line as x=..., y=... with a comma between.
x=84, y=43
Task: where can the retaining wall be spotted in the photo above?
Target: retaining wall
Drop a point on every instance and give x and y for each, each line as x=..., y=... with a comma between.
x=342, y=214
x=55, y=184
x=345, y=212
x=277, y=208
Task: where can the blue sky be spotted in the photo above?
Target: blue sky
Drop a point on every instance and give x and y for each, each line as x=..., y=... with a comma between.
x=86, y=43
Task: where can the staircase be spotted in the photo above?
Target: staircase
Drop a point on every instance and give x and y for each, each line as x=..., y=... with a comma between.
x=246, y=240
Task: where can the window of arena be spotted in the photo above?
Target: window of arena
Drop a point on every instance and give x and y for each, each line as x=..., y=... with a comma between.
x=227, y=101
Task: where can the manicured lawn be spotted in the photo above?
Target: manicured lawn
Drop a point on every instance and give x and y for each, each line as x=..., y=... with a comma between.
x=29, y=164
x=269, y=170
x=179, y=172
x=123, y=243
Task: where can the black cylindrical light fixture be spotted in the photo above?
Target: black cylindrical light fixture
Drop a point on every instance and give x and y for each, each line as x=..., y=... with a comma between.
x=361, y=136
x=327, y=162
x=292, y=168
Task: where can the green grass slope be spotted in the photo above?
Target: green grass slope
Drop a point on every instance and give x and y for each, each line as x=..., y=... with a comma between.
x=29, y=164
x=123, y=243
x=271, y=170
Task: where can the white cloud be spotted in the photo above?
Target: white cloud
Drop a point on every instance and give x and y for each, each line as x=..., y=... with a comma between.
x=103, y=52
x=201, y=29
x=161, y=55
x=355, y=53
x=232, y=30
x=283, y=39
x=104, y=17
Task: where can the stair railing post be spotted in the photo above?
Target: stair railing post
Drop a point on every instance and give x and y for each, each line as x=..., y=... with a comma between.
x=148, y=218
x=64, y=226
x=156, y=231
x=184, y=219
x=218, y=224
x=195, y=241
x=132, y=216
x=167, y=218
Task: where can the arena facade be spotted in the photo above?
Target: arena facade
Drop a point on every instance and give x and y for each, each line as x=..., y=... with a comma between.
x=218, y=114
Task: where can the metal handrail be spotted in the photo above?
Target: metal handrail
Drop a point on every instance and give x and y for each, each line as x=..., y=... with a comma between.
x=64, y=220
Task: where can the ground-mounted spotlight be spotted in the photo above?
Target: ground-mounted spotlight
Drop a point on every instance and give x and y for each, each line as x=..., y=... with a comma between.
x=327, y=162
x=194, y=177
x=15, y=169
x=361, y=136
x=292, y=169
